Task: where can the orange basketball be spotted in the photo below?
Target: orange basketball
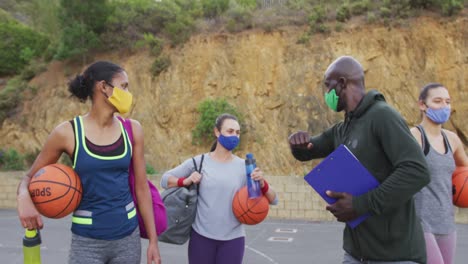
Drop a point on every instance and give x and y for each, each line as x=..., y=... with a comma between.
x=55, y=190
x=249, y=211
x=460, y=187
x=459, y=170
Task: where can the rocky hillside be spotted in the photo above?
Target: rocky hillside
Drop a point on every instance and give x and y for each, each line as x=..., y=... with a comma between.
x=271, y=79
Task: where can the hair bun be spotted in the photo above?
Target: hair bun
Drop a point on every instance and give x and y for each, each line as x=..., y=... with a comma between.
x=77, y=87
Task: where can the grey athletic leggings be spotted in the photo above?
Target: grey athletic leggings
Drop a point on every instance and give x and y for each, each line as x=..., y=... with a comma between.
x=84, y=250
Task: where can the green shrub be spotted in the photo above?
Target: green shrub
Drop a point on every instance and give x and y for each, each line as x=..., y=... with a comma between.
x=76, y=41
x=18, y=45
x=318, y=15
x=249, y=4
x=422, y=3
x=304, y=39
x=322, y=28
x=5, y=17
x=317, y=19
x=268, y=28
x=214, y=8
x=160, y=65
x=81, y=22
x=239, y=18
x=30, y=157
x=385, y=12
x=174, y=20
x=150, y=169
x=10, y=96
x=359, y=7
x=338, y=27
x=11, y=160
x=210, y=109
x=398, y=8
x=371, y=18
x=451, y=7
x=32, y=69
x=297, y=4
x=154, y=43
x=179, y=30
x=343, y=13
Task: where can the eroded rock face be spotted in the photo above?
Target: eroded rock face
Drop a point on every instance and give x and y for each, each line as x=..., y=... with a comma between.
x=271, y=79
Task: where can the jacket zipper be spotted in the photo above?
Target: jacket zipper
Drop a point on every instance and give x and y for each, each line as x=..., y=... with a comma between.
x=347, y=123
x=358, y=246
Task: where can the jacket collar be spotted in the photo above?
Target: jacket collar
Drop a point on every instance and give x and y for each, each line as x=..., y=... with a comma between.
x=367, y=101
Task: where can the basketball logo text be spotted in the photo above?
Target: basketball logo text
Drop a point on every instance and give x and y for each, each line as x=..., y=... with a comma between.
x=39, y=192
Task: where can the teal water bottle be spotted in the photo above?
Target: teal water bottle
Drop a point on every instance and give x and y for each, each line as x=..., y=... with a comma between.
x=253, y=186
x=32, y=247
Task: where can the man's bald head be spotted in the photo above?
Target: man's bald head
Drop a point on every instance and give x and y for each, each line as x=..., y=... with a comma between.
x=346, y=76
x=347, y=67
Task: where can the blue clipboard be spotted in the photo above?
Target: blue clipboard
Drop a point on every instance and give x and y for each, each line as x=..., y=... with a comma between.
x=341, y=171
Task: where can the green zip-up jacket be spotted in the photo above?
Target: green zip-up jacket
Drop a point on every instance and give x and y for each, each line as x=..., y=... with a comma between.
x=380, y=139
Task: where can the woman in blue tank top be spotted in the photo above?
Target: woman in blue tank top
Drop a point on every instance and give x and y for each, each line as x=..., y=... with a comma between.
x=104, y=226
x=444, y=151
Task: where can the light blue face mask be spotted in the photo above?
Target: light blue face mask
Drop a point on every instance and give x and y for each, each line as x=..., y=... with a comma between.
x=229, y=142
x=438, y=116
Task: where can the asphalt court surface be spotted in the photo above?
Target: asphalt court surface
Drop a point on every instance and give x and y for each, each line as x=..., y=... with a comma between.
x=271, y=242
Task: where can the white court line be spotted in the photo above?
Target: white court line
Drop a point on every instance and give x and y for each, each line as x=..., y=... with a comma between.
x=286, y=230
x=262, y=254
x=280, y=239
x=301, y=223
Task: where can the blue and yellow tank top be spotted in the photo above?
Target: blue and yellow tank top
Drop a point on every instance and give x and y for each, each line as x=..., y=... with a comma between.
x=106, y=210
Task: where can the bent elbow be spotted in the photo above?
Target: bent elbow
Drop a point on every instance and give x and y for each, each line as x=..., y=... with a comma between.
x=164, y=180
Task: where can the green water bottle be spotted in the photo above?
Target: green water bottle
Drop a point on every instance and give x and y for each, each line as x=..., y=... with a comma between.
x=32, y=247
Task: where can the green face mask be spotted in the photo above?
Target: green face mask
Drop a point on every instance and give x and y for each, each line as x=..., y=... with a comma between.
x=331, y=99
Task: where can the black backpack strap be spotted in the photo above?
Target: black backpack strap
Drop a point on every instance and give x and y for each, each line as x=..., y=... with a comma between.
x=198, y=169
x=194, y=164
x=424, y=141
x=201, y=163
x=448, y=147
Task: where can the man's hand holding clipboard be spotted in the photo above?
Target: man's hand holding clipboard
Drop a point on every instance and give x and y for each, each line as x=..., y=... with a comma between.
x=342, y=209
x=337, y=178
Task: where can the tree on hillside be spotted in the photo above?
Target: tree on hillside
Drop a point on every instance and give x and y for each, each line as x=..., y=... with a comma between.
x=81, y=21
x=44, y=17
x=214, y=8
x=19, y=44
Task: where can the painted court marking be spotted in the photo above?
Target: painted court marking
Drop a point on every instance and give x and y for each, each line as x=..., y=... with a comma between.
x=286, y=230
x=280, y=239
x=262, y=254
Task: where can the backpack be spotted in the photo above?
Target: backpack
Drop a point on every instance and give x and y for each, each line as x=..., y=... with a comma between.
x=181, y=206
x=159, y=211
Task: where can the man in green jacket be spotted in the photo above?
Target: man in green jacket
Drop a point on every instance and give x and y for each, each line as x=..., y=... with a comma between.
x=380, y=139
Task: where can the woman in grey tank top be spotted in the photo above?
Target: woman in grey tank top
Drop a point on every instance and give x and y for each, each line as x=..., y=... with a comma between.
x=217, y=236
x=444, y=151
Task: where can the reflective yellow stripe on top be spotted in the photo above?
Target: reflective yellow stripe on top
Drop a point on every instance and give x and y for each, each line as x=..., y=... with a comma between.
x=83, y=139
x=131, y=214
x=82, y=221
